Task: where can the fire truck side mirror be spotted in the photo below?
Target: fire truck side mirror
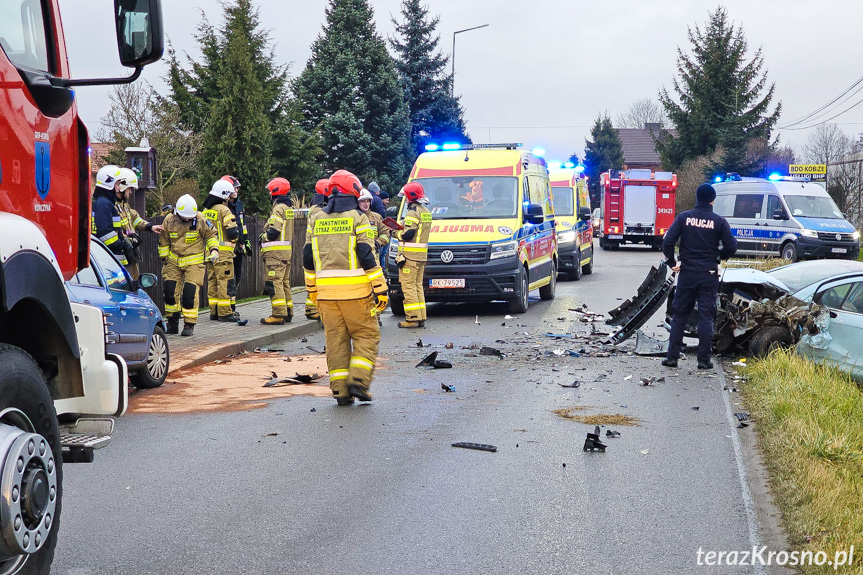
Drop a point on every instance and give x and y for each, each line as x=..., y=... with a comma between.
x=140, y=36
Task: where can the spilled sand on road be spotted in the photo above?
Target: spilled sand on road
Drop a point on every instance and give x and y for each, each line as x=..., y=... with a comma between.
x=572, y=414
x=232, y=385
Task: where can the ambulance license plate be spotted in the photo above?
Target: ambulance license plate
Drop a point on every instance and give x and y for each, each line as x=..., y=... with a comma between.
x=615, y=237
x=446, y=283
x=839, y=250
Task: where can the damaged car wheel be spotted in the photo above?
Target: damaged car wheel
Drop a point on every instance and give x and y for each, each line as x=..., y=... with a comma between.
x=768, y=339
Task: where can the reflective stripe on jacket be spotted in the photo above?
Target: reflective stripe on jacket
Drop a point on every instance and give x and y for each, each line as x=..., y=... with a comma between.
x=187, y=243
x=222, y=219
x=282, y=220
x=337, y=273
x=418, y=218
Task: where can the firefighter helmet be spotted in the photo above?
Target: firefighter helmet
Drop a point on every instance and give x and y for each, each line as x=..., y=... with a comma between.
x=186, y=207
x=279, y=187
x=107, y=176
x=222, y=189
x=128, y=179
x=344, y=182
x=414, y=192
x=365, y=195
x=234, y=181
x=323, y=187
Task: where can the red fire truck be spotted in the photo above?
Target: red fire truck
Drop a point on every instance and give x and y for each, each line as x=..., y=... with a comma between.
x=637, y=207
x=57, y=382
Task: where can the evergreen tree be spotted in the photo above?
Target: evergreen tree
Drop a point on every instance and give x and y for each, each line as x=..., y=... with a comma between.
x=724, y=100
x=351, y=92
x=435, y=113
x=574, y=158
x=603, y=153
x=237, y=136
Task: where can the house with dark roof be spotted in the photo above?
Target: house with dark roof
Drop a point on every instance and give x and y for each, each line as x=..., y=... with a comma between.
x=639, y=147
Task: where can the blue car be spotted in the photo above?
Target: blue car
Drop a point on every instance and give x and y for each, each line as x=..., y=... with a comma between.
x=136, y=330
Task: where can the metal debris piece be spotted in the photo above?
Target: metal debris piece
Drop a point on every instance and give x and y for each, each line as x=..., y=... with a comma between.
x=476, y=321
x=729, y=388
x=490, y=351
x=419, y=343
x=742, y=416
x=592, y=442
x=428, y=361
x=449, y=345
x=310, y=348
x=441, y=364
x=660, y=379
x=299, y=379
x=610, y=433
x=696, y=408
x=646, y=381
x=447, y=388
x=646, y=345
x=304, y=340
x=306, y=378
x=477, y=446
x=574, y=385
x=627, y=378
x=559, y=335
x=632, y=314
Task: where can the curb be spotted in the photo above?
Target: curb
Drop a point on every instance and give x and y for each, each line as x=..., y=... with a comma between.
x=235, y=347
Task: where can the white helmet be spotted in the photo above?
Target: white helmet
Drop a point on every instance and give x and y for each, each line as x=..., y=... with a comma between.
x=107, y=176
x=186, y=207
x=365, y=195
x=222, y=189
x=128, y=179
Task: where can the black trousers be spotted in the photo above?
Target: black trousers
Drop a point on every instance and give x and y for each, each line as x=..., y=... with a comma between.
x=692, y=288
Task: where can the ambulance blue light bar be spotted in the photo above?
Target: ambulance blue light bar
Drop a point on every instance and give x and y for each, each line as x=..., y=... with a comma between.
x=450, y=146
x=579, y=168
x=432, y=147
x=569, y=165
x=554, y=165
x=540, y=152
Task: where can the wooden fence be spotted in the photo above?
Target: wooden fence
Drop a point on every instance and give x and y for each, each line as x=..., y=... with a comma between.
x=251, y=284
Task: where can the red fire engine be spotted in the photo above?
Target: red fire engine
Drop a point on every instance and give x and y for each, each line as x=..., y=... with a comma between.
x=637, y=207
x=54, y=368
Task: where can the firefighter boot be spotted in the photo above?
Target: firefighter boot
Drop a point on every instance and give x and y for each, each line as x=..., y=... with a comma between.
x=273, y=320
x=214, y=316
x=233, y=318
x=188, y=329
x=343, y=400
x=360, y=391
x=173, y=327
x=410, y=324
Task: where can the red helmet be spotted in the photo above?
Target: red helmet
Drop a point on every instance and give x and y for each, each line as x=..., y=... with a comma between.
x=234, y=181
x=279, y=187
x=345, y=182
x=414, y=192
x=323, y=187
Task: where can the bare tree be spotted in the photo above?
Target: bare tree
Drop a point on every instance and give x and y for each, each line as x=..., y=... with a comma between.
x=828, y=144
x=642, y=112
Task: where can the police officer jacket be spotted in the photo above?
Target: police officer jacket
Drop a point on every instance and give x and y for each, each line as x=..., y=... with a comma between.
x=240, y=216
x=700, y=232
x=107, y=224
x=278, y=232
x=187, y=243
x=225, y=224
x=339, y=259
x=413, y=240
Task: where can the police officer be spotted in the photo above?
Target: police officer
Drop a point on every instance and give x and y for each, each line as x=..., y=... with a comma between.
x=700, y=232
x=344, y=279
x=381, y=232
x=186, y=238
x=377, y=203
x=244, y=246
x=131, y=221
x=276, y=250
x=106, y=222
x=220, y=275
x=319, y=200
x=413, y=253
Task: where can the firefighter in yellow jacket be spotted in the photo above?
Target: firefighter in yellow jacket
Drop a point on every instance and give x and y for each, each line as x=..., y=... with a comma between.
x=382, y=233
x=348, y=285
x=187, y=238
x=220, y=275
x=413, y=253
x=130, y=220
x=319, y=200
x=276, y=250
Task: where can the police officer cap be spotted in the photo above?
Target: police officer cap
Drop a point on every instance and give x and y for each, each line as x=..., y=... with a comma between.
x=705, y=193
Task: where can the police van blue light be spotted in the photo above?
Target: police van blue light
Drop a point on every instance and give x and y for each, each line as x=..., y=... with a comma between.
x=792, y=219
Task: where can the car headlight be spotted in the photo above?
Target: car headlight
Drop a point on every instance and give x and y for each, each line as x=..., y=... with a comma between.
x=503, y=250
x=809, y=233
x=566, y=237
x=855, y=235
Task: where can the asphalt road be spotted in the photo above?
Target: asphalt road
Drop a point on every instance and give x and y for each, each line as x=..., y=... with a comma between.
x=378, y=488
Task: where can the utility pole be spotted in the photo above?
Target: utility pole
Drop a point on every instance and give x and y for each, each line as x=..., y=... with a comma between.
x=452, y=77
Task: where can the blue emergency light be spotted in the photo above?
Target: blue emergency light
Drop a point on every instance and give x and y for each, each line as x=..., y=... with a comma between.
x=554, y=165
x=569, y=165
x=540, y=152
x=774, y=177
x=451, y=146
x=579, y=168
x=432, y=147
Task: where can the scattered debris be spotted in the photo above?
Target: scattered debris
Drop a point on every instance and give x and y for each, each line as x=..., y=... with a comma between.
x=742, y=416
x=592, y=442
x=612, y=434
x=559, y=335
x=477, y=446
x=242, y=322
x=648, y=346
x=599, y=419
x=310, y=348
x=508, y=317
x=574, y=385
x=448, y=388
x=696, y=408
x=449, y=345
x=645, y=451
x=275, y=381
x=476, y=321
x=730, y=388
x=627, y=378
x=428, y=361
x=273, y=434
x=419, y=343
x=646, y=381
x=304, y=340
x=312, y=410
x=490, y=351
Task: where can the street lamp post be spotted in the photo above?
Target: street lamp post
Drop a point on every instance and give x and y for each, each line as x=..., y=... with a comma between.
x=453, y=52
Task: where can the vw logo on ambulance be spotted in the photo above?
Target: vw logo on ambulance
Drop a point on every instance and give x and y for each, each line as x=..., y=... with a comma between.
x=446, y=256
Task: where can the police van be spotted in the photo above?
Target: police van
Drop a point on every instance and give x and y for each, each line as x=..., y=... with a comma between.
x=779, y=216
x=493, y=229
x=573, y=218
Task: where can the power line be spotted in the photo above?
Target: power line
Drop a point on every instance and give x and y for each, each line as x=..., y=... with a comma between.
x=830, y=118
x=827, y=105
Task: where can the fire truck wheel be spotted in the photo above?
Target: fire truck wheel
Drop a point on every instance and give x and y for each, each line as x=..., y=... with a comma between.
x=398, y=307
x=603, y=244
x=31, y=498
x=520, y=303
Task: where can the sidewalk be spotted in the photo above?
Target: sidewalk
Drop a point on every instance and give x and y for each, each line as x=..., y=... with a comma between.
x=214, y=340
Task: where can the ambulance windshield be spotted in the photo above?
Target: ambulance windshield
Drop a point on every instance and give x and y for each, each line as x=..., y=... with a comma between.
x=563, y=201
x=467, y=197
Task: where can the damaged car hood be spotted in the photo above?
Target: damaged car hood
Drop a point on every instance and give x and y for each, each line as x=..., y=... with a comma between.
x=751, y=276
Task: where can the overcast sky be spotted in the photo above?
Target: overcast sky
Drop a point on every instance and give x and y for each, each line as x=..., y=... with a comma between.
x=543, y=69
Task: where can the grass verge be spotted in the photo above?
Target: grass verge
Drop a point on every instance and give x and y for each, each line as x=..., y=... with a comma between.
x=811, y=433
